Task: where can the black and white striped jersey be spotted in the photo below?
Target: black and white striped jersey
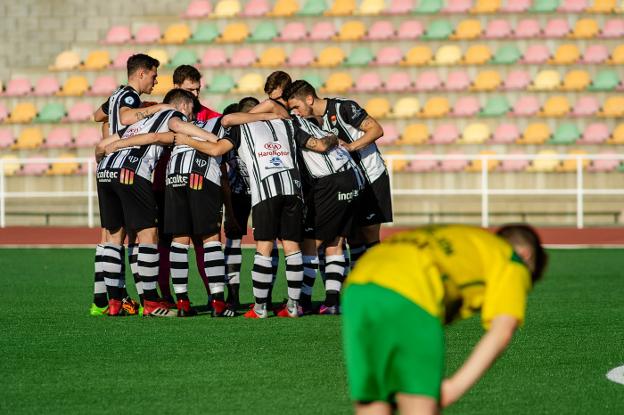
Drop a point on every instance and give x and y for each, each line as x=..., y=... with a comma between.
x=269, y=151
x=237, y=174
x=141, y=159
x=186, y=160
x=343, y=118
x=124, y=96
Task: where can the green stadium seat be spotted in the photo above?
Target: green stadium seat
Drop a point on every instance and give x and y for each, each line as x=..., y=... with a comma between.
x=183, y=57
x=566, y=133
x=314, y=79
x=496, y=106
x=605, y=80
x=205, y=33
x=313, y=8
x=507, y=55
x=360, y=56
x=428, y=6
x=52, y=112
x=264, y=32
x=544, y=6
x=221, y=83
x=438, y=30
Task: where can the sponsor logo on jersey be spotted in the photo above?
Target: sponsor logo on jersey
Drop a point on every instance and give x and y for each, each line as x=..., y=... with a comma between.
x=356, y=111
x=196, y=181
x=276, y=162
x=348, y=195
x=176, y=180
x=106, y=176
x=273, y=146
x=334, y=131
x=133, y=159
x=273, y=153
x=129, y=100
x=201, y=163
x=333, y=119
x=130, y=131
x=126, y=176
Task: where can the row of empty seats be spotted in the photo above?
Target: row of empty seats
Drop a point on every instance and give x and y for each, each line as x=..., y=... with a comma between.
x=61, y=137
x=38, y=165
x=198, y=9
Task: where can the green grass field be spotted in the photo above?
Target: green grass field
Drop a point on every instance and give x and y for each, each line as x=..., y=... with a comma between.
x=57, y=359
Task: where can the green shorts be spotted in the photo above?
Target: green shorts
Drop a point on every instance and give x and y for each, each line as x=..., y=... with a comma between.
x=391, y=345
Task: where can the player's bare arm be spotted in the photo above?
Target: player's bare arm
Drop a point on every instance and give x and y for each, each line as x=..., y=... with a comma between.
x=100, y=116
x=100, y=148
x=207, y=147
x=178, y=126
x=129, y=116
x=321, y=145
x=140, y=140
x=239, y=118
x=372, y=131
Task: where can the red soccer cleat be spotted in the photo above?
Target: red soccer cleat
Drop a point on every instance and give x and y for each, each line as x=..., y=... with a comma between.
x=253, y=313
x=130, y=306
x=157, y=309
x=221, y=309
x=292, y=309
x=115, y=308
x=185, y=309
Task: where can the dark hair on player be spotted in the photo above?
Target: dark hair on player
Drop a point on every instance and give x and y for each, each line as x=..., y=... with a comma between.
x=184, y=72
x=231, y=109
x=275, y=80
x=523, y=234
x=140, y=61
x=247, y=103
x=178, y=95
x=299, y=89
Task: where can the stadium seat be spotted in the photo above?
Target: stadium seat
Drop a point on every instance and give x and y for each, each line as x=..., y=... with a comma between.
x=617, y=136
x=477, y=55
x=595, y=133
x=313, y=8
x=397, y=165
x=88, y=137
x=597, y=53
x=377, y=108
x=234, y=33
x=612, y=29
x=118, y=35
x=164, y=85
x=183, y=57
x=341, y=8
x=466, y=106
x=391, y=134
x=536, y=54
x=576, y=80
x=586, y=106
x=59, y=137
x=417, y=56
x=52, y=112
x=457, y=164
x=4, y=113
x=605, y=80
x=546, y=80
x=406, y=107
x=66, y=166
x=429, y=6
x=498, y=29
x=121, y=59
x=322, y=30
x=368, y=82
x=604, y=165
x=256, y=8
x=74, y=86
x=467, y=30
x=351, y=31
x=516, y=6
x=6, y=138
x=380, y=30
x=476, y=166
x=555, y=106
x=410, y=30
x=293, y=32
x=400, y=7
x=535, y=133
x=572, y=6
x=526, y=106
x=160, y=55
x=226, y=8
x=428, y=81
x=18, y=87
x=415, y=134
x=436, y=107
x=527, y=28
x=585, y=29
x=313, y=79
x=103, y=86
x=457, y=6
x=284, y=8
x=301, y=57
x=475, y=133
x=250, y=83
x=495, y=106
x=359, y=56
x=214, y=58
x=371, y=7
x=29, y=138
x=514, y=165
x=613, y=107
x=266, y=31
x=272, y=58
x=422, y=166
x=10, y=164
x=96, y=61
x=556, y=28
x=66, y=61
x=23, y=112
x=338, y=83
x=243, y=57
x=571, y=165
x=81, y=111
x=330, y=57
x=566, y=133
x=448, y=55
x=505, y=133
x=602, y=6
x=486, y=81
x=617, y=56
x=506, y=55
x=205, y=32
x=198, y=9
x=438, y=30
x=445, y=134
x=566, y=54
x=389, y=56
x=46, y=86
x=398, y=82
x=147, y=34
x=544, y=6
x=458, y=80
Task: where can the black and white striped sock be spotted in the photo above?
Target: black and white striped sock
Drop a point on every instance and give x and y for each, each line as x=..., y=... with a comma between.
x=261, y=278
x=335, y=268
x=100, y=298
x=178, y=259
x=274, y=263
x=321, y=262
x=111, y=270
x=355, y=252
x=133, y=258
x=214, y=263
x=147, y=262
x=347, y=257
x=310, y=266
x=233, y=259
x=294, y=275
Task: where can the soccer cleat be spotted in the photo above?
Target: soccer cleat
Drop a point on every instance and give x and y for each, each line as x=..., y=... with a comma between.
x=130, y=306
x=333, y=310
x=115, y=308
x=169, y=303
x=96, y=311
x=257, y=311
x=292, y=310
x=221, y=309
x=185, y=309
x=157, y=309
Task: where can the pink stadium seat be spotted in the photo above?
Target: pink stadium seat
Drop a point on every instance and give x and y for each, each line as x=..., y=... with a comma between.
x=422, y=166
x=606, y=165
x=536, y=54
x=118, y=35
x=572, y=6
x=3, y=112
x=400, y=7
x=586, y=106
x=517, y=80
x=427, y=81
x=514, y=165
x=122, y=59
x=6, y=138
x=323, y=30
x=368, y=82
x=389, y=55
x=391, y=134
x=466, y=106
x=457, y=6
x=18, y=87
x=103, y=86
x=380, y=30
x=88, y=137
x=445, y=134
x=398, y=81
x=457, y=81
x=256, y=8
x=213, y=58
x=454, y=165
x=47, y=86
x=527, y=28
x=293, y=32
x=80, y=111
x=36, y=166
x=556, y=28
x=516, y=6
x=526, y=106
x=301, y=57
x=59, y=137
x=595, y=133
x=410, y=30
x=505, y=133
x=147, y=34
x=596, y=53
x=243, y=57
x=498, y=29
x=613, y=28
x=198, y=9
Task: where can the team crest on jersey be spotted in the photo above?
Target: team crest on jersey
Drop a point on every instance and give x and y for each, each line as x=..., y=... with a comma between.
x=133, y=159
x=129, y=100
x=355, y=111
x=201, y=163
x=126, y=176
x=196, y=181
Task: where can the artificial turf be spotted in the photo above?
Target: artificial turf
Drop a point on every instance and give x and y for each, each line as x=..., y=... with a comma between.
x=58, y=359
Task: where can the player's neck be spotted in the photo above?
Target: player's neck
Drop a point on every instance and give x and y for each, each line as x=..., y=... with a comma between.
x=134, y=83
x=319, y=107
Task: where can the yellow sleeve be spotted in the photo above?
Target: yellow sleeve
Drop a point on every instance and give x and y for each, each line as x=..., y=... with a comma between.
x=506, y=294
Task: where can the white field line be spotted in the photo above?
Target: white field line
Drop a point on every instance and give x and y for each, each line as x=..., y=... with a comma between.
x=616, y=375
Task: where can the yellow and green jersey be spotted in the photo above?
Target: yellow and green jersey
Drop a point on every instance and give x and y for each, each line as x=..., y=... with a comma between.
x=450, y=271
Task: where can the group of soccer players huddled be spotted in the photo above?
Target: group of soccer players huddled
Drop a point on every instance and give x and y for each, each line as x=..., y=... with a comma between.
x=170, y=174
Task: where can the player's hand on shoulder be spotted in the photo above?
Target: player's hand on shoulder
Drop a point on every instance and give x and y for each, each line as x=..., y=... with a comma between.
x=181, y=139
x=111, y=148
x=344, y=145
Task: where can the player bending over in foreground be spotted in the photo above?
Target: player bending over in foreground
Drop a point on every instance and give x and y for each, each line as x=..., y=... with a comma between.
x=402, y=292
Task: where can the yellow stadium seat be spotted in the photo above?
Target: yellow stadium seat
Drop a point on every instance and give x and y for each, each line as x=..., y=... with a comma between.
x=66, y=61
x=555, y=106
x=477, y=55
x=97, y=60
x=475, y=133
x=585, y=29
x=330, y=57
x=546, y=161
x=227, y=8
x=546, y=80
x=341, y=8
x=176, y=34
x=164, y=85
x=436, y=107
x=617, y=136
x=160, y=55
x=68, y=165
x=74, y=86
x=417, y=56
x=398, y=165
x=371, y=7
x=613, y=107
x=617, y=56
x=24, y=112
x=476, y=166
x=603, y=6
x=29, y=138
x=569, y=165
x=378, y=107
x=406, y=107
x=10, y=164
x=536, y=133
x=485, y=6
x=486, y=81
x=448, y=55
x=284, y=8
x=566, y=55
x=576, y=80
x=272, y=57
x=338, y=82
x=415, y=134
x=467, y=29
x=234, y=33
x=353, y=30
x=250, y=83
